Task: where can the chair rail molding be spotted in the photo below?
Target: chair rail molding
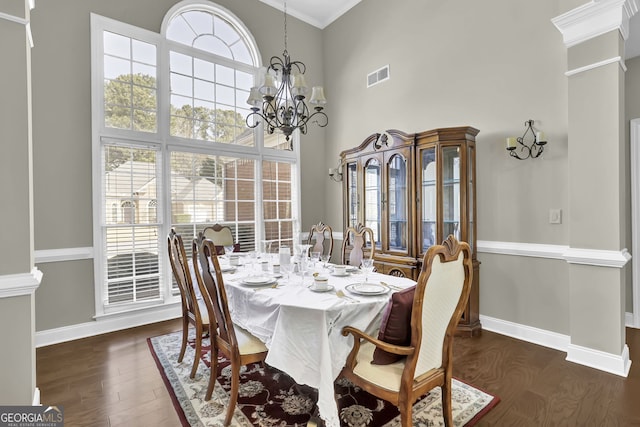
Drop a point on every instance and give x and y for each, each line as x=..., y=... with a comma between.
x=62, y=254
x=596, y=257
x=13, y=285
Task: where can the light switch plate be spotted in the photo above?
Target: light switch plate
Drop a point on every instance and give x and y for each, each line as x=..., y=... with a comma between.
x=555, y=216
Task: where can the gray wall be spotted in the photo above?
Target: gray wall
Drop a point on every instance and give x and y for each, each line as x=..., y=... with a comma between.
x=492, y=65
x=17, y=328
x=62, y=131
x=632, y=111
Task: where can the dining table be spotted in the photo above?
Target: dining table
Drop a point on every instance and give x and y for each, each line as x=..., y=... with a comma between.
x=301, y=325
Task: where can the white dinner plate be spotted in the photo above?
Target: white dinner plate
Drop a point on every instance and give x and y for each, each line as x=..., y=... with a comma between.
x=367, y=288
x=327, y=289
x=227, y=268
x=259, y=281
x=345, y=274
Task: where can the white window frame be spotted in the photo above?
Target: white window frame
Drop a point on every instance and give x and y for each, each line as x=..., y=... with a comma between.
x=166, y=144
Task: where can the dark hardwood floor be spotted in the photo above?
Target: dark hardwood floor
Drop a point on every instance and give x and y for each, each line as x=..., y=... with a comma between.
x=112, y=380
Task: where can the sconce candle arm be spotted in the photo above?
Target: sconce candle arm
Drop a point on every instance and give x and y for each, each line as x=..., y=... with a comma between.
x=527, y=150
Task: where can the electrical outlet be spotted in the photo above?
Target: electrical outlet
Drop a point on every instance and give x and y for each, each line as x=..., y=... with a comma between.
x=555, y=216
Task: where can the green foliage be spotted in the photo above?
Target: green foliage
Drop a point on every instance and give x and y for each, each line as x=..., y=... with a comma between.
x=115, y=156
x=131, y=103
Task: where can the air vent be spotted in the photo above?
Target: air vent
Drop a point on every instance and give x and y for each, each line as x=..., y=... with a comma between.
x=378, y=76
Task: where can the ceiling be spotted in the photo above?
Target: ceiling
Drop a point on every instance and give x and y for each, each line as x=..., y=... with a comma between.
x=318, y=13
x=632, y=45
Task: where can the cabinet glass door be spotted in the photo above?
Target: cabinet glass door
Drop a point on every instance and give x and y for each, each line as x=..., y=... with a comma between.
x=373, y=198
x=429, y=198
x=471, y=237
x=397, y=203
x=352, y=194
x=451, y=191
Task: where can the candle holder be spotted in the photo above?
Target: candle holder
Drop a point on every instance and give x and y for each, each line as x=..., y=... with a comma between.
x=533, y=149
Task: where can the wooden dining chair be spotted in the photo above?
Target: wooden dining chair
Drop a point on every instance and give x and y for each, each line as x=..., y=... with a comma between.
x=358, y=242
x=439, y=300
x=321, y=239
x=194, y=311
x=221, y=236
x=237, y=344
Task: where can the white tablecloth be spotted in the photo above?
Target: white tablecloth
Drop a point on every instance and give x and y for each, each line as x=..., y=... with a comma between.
x=302, y=328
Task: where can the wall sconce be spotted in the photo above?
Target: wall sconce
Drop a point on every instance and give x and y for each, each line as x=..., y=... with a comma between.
x=336, y=173
x=532, y=149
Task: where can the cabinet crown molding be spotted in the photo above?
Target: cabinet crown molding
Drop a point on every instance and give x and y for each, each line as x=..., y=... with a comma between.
x=595, y=18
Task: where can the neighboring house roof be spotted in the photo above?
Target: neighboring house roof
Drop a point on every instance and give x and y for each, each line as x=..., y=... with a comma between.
x=138, y=178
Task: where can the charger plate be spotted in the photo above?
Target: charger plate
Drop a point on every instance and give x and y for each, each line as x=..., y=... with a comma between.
x=259, y=281
x=367, y=288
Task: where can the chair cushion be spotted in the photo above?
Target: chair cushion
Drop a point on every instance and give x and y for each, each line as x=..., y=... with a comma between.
x=396, y=325
x=387, y=376
x=247, y=343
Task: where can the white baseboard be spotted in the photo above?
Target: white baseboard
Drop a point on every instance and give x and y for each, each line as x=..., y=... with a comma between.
x=107, y=324
x=629, y=321
x=596, y=359
x=526, y=333
x=36, y=397
x=601, y=360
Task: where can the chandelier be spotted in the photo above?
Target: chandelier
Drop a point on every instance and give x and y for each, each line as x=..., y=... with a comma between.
x=280, y=101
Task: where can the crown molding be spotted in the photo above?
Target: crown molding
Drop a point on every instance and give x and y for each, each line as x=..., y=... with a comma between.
x=595, y=18
x=318, y=14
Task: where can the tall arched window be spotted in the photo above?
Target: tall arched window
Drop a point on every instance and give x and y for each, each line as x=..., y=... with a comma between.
x=172, y=138
x=212, y=62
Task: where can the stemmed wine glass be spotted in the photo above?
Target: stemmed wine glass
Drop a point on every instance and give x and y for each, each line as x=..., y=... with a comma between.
x=315, y=257
x=303, y=263
x=287, y=269
x=228, y=250
x=367, y=266
x=325, y=259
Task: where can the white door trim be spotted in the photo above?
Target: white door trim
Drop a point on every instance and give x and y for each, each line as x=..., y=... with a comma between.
x=635, y=218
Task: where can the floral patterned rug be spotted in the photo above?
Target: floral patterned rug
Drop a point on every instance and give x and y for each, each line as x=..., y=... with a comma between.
x=269, y=397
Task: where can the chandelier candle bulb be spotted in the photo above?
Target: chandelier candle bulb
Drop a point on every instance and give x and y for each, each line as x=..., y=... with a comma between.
x=269, y=88
x=540, y=137
x=511, y=143
x=317, y=96
x=255, y=99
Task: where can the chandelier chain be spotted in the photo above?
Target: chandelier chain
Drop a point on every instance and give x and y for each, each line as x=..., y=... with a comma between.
x=280, y=101
x=285, y=26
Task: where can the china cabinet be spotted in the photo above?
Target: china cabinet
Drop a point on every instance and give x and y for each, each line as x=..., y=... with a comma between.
x=413, y=190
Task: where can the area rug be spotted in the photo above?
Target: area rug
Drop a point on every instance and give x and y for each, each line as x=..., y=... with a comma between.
x=269, y=397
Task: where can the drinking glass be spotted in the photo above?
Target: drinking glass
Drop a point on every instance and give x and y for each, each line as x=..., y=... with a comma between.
x=287, y=269
x=303, y=264
x=367, y=266
x=228, y=250
x=315, y=257
x=253, y=258
x=325, y=259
